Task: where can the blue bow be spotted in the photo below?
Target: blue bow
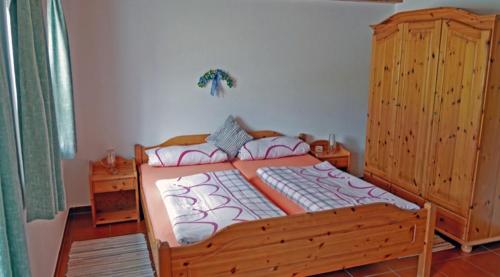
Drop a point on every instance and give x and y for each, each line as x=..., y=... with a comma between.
x=215, y=82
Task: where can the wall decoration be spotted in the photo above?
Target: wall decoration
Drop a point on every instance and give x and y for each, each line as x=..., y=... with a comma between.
x=215, y=75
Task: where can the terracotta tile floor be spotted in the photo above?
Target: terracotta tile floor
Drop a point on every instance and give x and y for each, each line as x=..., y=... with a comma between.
x=483, y=261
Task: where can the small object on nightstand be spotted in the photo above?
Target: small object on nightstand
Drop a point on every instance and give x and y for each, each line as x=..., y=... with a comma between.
x=114, y=194
x=340, y=157
x=111, y=157
x=319, y=146
x=110, y=162
x=332, y=143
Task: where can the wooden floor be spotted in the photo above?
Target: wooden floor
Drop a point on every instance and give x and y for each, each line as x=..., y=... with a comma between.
x=483, y=261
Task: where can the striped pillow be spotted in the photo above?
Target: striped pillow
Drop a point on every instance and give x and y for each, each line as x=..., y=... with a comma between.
x=230, y=137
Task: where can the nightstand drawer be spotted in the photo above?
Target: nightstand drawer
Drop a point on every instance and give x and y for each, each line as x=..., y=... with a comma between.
x=113, y=185
x=339, y=162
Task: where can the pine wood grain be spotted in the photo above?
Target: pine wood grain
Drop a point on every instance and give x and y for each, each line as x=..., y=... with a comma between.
x=460, y=92
x=296, y=245
x=485, y=22
x=384, y=86
x=306, y=244
x=446, y=146
x=415, y=101
x=485, y=208
x=114, y=194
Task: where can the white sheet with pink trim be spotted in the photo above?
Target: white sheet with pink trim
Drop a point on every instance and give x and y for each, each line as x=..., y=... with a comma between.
x=273, y=148
x=322, y=187
x=179, y=155
x=199, y=205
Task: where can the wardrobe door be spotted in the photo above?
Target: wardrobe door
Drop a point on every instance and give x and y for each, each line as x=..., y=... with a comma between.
x=414, y=107
x=386, y=54
x=459, y=99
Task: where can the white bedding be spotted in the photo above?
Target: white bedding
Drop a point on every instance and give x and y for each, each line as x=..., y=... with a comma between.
x=322, y=187
x=199, y=205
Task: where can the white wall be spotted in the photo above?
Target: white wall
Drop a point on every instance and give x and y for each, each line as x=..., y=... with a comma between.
x=44, y=240
x=479, y=6
x=301, y=66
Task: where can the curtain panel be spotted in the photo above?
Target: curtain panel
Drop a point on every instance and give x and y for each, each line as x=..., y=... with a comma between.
x=60, y=71
x=13, y=248
x=43, y=188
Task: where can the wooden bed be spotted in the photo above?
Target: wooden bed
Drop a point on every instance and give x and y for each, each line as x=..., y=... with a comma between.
x=297, y=245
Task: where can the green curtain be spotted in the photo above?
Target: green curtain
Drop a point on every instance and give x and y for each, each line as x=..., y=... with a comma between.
x=13, y=249
x=43, y=188
x=60, y=71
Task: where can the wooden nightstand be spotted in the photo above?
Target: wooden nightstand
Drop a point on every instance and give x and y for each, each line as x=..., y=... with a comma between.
x=114, y=196
x=340, y=158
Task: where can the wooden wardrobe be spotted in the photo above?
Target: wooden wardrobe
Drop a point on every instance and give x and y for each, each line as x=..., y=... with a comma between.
x=433, y=129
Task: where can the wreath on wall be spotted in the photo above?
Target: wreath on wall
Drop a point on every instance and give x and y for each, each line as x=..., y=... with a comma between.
x=215, y=75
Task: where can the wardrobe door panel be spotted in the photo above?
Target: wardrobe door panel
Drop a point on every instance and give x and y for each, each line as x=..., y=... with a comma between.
x=419, y=64
x=386, y=53
x=459, y=99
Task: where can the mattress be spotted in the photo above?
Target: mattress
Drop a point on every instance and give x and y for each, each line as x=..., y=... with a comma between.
x=199, y=205
x=162, y=228
x=249, y=170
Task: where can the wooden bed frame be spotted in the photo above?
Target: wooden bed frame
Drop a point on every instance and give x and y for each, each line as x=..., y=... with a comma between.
x=297, y=245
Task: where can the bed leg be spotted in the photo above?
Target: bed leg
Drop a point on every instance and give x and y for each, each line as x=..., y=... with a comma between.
x=165, y=261
x=466, y=248
x=425, y=258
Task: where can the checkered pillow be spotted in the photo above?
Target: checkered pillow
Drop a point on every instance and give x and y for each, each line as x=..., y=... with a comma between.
x=230, y=137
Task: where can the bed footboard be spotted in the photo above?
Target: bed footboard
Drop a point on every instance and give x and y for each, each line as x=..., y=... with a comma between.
x=306, y=244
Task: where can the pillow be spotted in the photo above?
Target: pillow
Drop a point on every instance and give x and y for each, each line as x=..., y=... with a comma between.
x=273, y=148
x=205, y=153
x=229, y=137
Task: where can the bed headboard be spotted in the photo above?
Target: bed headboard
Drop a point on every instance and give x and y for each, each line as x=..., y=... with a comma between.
x=141, y=157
